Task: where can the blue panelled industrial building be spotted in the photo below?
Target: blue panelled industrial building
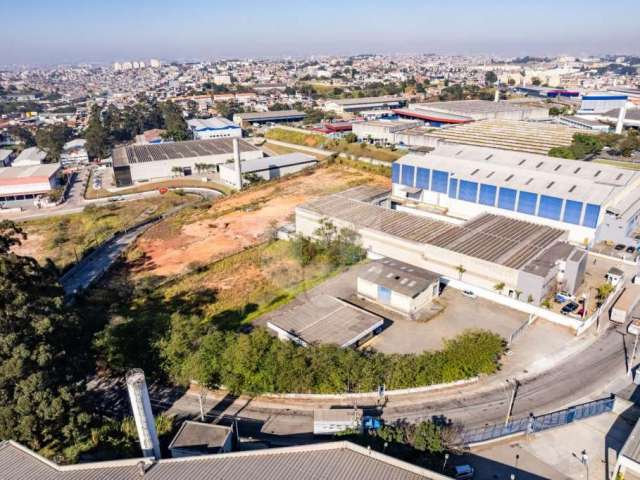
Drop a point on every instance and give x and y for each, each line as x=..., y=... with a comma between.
x=593, y=202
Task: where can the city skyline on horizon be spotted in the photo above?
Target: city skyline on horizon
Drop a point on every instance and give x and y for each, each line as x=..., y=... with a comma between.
x=122, y=31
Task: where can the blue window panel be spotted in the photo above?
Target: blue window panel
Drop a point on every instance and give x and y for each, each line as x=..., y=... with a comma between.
x=439, y=181
x=453, y=187
x=408, y=173
x=550, y=207
x=468, y=191
x=572, y=212
x=507, y=198
x=591, y=213
x=422, y=178
x=527, y=202
x=487, y=195
x=395, y=173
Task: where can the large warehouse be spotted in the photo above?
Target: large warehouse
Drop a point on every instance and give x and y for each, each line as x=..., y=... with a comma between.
x=26, y=183
x=278, y=116
x=529, y=259
x=516, y=135
x=464, y=111
x=145, y=163
x=594, y=202
x=353, y=105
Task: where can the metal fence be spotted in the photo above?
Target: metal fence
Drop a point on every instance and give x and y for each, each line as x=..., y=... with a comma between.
x=534, y=424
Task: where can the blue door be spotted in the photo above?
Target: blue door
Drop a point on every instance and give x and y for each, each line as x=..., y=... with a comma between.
x=384, y=294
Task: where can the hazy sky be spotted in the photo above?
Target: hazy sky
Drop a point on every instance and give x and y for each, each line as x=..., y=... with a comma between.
x=57, y=31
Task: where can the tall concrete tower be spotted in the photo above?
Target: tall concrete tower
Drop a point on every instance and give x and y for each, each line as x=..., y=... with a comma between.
x=237, y=164
x=621, y=115
x=142, y=414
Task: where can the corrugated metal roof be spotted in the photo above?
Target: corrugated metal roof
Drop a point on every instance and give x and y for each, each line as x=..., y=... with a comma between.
x=335, y=461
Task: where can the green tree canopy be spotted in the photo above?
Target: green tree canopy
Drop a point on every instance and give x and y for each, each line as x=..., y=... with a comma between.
x=39, y=384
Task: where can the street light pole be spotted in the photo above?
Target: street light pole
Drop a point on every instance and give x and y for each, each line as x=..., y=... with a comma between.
x=444, y=464
x=584, y=459
x=633, y=354
x=511, y=401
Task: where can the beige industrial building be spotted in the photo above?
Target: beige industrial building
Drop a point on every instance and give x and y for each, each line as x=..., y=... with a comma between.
x=353, y=105
x=26, y=183
x=398, y=286
x=488, y=250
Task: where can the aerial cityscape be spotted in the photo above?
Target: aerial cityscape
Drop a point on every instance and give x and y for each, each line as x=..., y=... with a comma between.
x=358, y=240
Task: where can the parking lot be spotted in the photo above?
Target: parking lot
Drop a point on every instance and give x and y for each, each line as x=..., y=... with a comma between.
x=540, y=340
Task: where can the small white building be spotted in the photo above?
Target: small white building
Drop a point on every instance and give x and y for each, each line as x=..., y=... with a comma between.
x=196, y=438
x=382, y=131
x=267, y=168
x=74, y=153
x=26, y=183
x=214, y=127
x=398, y=286
x=29, y=157
x=329, y=421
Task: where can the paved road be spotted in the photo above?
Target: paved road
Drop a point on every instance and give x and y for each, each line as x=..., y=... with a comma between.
x=594, y=372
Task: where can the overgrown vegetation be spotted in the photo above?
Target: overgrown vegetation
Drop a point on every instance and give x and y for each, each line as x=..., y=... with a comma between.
x=584, y=145
x=259, y=363
x=339, y=247
x=64, y=239
x=342, y=146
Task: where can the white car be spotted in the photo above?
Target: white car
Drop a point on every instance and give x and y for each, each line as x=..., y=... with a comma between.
x=469, y=293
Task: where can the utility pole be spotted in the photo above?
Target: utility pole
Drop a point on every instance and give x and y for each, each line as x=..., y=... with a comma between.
x=633, y=355
x=584, y=459
x=201, y=398
x=513, y=399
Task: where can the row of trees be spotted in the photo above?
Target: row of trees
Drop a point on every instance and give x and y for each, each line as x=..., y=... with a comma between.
x=584, y=145
x=340, y=247
x=110, y=126
x=258, y=362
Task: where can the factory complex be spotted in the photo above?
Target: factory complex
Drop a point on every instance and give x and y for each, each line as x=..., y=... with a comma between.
x=592, y=202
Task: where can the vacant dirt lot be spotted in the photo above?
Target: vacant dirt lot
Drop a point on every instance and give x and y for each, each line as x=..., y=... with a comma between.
x=241, y=220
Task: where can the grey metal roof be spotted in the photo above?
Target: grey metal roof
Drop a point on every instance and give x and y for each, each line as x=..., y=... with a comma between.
x=474, y=107
x=200, y=435
x=325, y=319
x=367, y=100
x=365, y=193
x=123, y=156
x=573, y=179
x=494, y=238
x=398, y=276
x=333, y=460
x=266, y=116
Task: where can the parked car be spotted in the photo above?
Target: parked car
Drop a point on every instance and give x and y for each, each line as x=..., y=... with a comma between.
x=563, y=296
x=463, y=472
x=569, y=308
x=619, y=247
x=631, y=250
x=469, y=293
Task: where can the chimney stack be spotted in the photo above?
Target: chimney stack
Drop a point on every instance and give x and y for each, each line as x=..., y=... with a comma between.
x=142, y=413
x=237, y=164
x=621, y=115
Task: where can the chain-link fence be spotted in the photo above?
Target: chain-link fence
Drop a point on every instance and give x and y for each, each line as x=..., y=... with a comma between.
x=534, y=424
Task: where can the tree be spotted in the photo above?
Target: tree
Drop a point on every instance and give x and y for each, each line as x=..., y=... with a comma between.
x=490, y=77
x=511, y=82
x=536, y=81
x=97, y=139
x=41, y=379
x=461, y=271
x=176, y=128
x=498, y=287
x=23, y=135
x=427, y=437
x=350, y=137
x=604, y=291
x=51, y=139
